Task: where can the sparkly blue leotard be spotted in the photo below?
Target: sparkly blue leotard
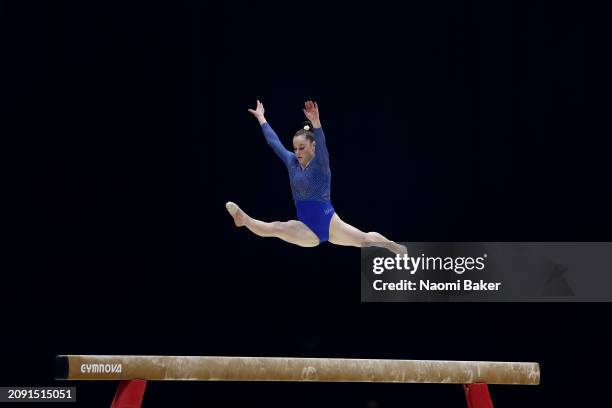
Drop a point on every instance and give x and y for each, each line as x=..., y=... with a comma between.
x=311, y=186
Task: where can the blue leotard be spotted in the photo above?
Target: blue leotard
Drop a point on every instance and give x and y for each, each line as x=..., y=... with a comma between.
x=311, y=186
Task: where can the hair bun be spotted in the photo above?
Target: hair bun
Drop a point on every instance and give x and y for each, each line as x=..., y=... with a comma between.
x=307, y=125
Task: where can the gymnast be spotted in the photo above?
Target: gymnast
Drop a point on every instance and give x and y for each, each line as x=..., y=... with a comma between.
x=310, y=179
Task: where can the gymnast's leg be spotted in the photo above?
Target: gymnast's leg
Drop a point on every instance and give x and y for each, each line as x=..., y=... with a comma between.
x=341, y=233
x=294, y=232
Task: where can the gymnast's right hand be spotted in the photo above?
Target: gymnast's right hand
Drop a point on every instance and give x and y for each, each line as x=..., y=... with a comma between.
x=259, y=111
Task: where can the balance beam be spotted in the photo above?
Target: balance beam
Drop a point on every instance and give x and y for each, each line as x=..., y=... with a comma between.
x=198, y=368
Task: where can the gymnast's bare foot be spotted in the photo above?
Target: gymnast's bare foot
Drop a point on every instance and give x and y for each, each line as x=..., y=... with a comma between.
x=394, y=247
x=400, y=249
x=240, y=218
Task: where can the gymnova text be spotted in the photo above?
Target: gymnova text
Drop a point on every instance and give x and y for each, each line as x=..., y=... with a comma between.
x=101, y=368
x=427, y=285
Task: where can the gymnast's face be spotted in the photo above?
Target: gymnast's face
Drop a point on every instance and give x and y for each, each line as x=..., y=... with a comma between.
x=304, y=149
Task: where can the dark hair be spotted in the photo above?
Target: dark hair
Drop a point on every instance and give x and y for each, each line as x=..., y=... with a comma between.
x=306, y=131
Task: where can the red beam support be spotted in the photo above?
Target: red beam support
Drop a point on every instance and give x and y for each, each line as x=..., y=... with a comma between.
x=129, y=394
x=477, y=395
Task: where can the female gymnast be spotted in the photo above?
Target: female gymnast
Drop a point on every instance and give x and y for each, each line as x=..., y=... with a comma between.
x=310, y=179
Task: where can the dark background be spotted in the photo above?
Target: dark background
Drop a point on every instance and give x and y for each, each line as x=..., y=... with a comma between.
x=125, y=130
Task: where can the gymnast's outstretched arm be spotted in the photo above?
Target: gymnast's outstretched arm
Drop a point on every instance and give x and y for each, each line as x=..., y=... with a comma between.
x=270, y=135
x=311, y=111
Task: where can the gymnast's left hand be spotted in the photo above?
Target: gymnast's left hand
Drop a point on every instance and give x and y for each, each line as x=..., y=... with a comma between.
x=311, y=110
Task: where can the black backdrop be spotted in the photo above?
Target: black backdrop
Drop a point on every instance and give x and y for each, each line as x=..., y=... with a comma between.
x=125, y=129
